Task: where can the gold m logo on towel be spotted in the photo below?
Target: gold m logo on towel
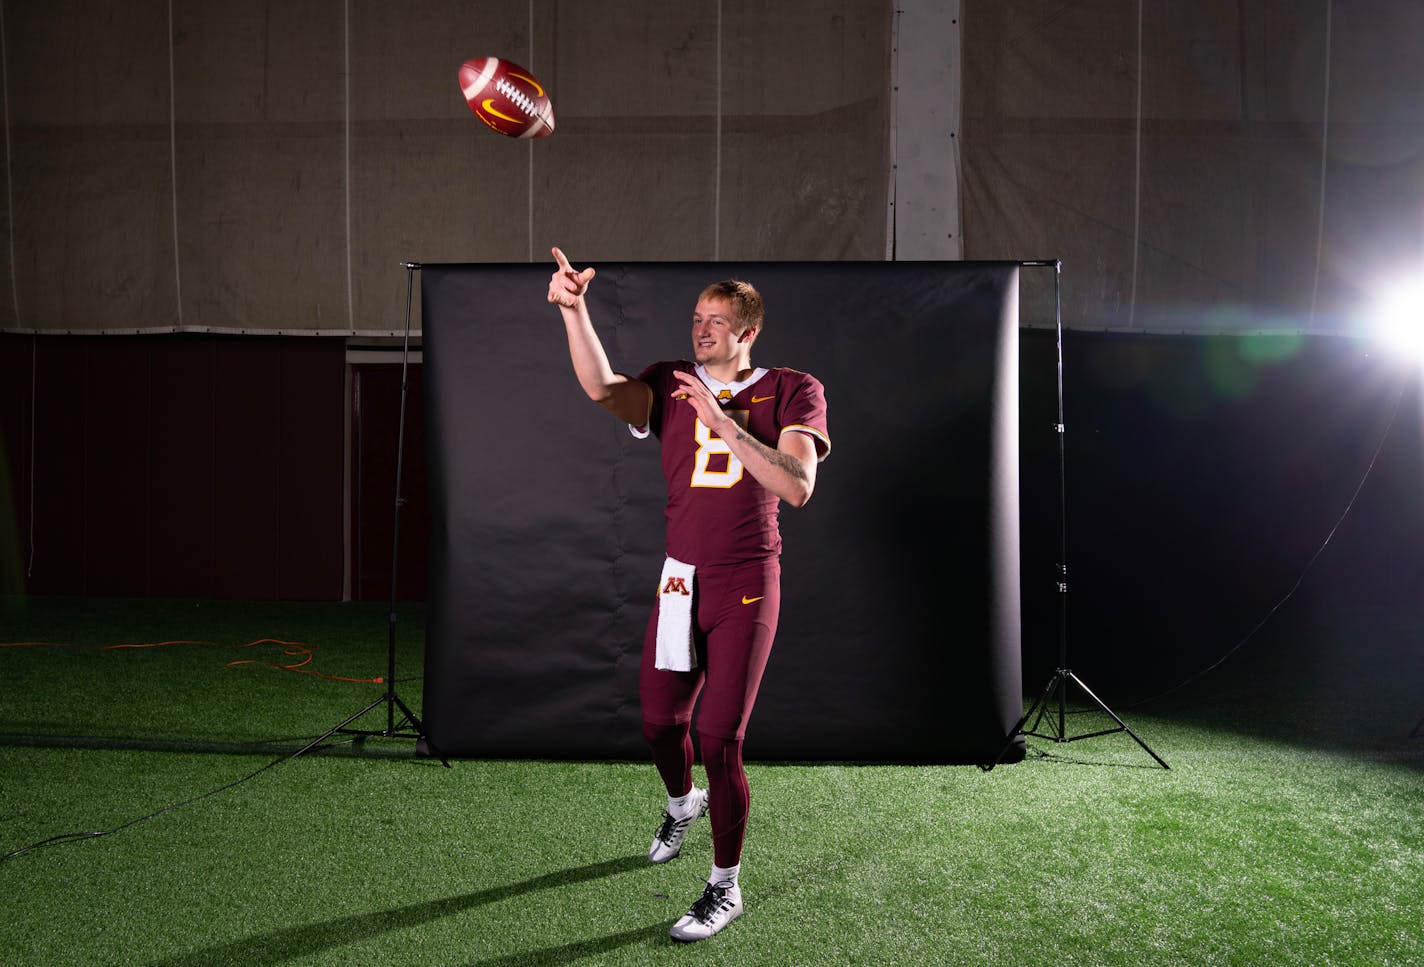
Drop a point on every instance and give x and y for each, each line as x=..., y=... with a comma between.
x=676, y=586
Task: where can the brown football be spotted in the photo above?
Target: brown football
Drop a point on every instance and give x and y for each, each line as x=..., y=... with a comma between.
x=507, y=97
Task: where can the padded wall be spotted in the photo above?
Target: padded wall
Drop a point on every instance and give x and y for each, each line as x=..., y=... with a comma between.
x=172, y=466
x=899, y=635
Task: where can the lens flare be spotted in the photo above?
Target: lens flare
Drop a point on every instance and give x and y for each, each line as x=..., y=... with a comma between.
x=1397, y=319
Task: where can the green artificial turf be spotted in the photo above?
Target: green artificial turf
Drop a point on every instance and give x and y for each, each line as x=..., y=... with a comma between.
x=1255, y=848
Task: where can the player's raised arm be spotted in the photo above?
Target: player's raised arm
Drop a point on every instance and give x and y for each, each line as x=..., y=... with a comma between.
x=625, y=398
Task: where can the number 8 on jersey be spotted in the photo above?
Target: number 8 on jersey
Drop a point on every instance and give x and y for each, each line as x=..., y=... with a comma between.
x=709, y=446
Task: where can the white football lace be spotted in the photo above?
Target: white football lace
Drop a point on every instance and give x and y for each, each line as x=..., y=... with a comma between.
x=515, y=95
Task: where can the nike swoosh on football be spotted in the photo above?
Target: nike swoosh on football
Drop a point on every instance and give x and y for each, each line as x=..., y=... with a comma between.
x=747, y=600
x=763, y=399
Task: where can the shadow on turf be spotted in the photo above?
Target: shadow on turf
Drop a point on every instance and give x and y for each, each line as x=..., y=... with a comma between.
x=351, y=748
x=568, y=953
x=279, y=946
x=1035, y=754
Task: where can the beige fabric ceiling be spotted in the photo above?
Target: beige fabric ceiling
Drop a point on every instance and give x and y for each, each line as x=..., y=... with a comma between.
x=229, y=165
x=1217, y=165
x=234, y=165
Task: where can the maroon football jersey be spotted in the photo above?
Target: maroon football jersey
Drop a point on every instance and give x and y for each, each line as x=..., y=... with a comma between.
x=717, y=513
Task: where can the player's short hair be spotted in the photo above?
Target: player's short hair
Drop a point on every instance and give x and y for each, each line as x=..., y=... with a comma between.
x=744, y=299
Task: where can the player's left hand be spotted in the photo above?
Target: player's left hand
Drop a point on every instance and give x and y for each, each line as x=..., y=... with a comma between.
x=566, y=287
x=696, y=394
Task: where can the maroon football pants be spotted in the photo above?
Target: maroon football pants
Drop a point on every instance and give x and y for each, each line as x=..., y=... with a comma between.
x=735, y=609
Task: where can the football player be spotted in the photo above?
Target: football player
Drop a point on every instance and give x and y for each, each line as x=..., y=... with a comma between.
x=736, y=442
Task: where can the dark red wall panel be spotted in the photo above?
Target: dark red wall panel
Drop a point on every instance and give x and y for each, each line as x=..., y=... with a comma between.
x=310, y=450
x=174, y=466
x=245, y=424
x=61, y=402
x=181, y=487
x=117, y=455
x=16, y=362
x=376, y=422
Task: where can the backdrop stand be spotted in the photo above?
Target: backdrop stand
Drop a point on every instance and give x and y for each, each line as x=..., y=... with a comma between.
x=410, y=726
x=1063, y=676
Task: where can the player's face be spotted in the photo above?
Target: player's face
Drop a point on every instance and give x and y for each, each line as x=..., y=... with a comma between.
x=715, y=332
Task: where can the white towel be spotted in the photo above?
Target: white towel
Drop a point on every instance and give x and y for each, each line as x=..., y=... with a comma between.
x=675, y=650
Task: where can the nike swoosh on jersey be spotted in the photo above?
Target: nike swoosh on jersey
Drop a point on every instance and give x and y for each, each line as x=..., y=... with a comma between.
x=747, y=600
x=763, y=399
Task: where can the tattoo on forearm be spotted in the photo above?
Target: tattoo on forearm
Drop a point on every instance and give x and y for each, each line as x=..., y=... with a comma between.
x=774, y=457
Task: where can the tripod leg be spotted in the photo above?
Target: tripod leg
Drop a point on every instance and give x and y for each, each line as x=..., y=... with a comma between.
x=1058, y=683
x=1121, y=724
x=1017, y=730
x=337, y=728
x=419, y=728
x=1415, y=732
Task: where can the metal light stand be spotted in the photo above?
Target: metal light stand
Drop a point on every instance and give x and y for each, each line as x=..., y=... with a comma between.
x=1063, y=676
x=390, y=699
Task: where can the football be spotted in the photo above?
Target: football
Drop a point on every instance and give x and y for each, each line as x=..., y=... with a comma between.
x=507, y=97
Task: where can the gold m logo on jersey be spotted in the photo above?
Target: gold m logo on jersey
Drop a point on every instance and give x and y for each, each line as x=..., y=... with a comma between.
x=676, y=585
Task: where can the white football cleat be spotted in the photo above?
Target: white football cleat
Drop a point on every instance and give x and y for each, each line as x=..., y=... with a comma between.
x=719, y=906
x=668, y=841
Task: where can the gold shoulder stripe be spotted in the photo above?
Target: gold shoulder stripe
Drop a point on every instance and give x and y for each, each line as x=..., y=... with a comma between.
x=812, y=432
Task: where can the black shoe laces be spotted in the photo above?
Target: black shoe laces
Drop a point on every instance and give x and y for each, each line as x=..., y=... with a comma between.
x=671, y=828
x=709, y=904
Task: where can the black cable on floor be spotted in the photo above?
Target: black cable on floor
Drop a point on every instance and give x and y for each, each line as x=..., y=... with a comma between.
x=72, y=837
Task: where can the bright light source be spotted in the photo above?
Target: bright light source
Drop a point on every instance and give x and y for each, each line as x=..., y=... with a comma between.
x=1398, y=317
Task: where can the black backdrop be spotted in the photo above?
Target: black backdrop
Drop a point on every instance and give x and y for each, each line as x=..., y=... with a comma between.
x=899, y=634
